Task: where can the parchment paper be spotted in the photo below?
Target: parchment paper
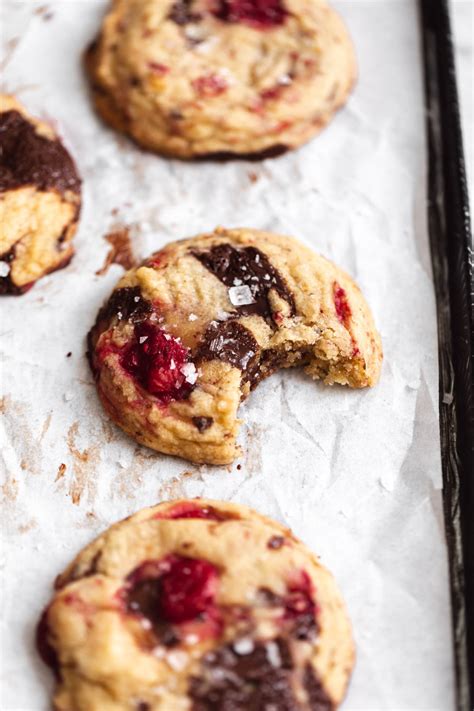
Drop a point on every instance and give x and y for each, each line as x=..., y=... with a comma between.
x=355, y=474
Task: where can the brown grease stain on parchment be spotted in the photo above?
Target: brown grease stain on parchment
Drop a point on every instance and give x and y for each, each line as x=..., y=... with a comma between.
x=28, y=526
x=61, y=472
x=46, y=425
x=253, y=450
x=84, y=467
x=10, y=489
x=121, y=251
x=174, y=488
x=27, y=448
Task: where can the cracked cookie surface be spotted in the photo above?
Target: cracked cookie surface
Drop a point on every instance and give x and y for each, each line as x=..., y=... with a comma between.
x=193, y=78
x=187, y=334
x=40, y=199
x=197, y=605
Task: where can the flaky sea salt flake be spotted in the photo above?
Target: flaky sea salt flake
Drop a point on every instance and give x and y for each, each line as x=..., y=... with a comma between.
x=241, y=295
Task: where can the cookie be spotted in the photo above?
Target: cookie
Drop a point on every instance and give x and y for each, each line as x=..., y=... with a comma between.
x=40, y=199
x=197, y=78
x=187, y=334
x=197, y=605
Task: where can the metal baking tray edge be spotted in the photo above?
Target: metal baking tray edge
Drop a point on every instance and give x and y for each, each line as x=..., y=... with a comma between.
x=452, y=261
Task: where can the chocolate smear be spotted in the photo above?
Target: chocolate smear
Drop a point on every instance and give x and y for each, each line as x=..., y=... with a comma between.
x=27, y=158
x=121, y=251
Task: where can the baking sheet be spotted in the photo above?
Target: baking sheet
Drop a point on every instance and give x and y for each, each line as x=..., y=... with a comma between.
x=453, y=272
x=355, y=474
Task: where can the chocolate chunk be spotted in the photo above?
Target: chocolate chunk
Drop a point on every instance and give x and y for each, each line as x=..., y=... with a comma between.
x=143, y=706
x=126, y=303
x=275, y=542
x=235, y=681
x=299, y=611
x=247, y=267
x=144, y=599
x=202, y=423
x=26, y=158
x=268, y=597
x=181, y=13
x=317, y=696
x=305, y=627
x=231, y=342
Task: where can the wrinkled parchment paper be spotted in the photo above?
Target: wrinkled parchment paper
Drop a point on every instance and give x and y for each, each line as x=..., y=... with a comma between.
x=355, y=474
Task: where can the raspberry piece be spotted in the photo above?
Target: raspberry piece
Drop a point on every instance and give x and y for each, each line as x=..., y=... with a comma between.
x=210, y=85
x=158, y=68
x=343, y=310
x=260, y=14
x=189, y=510
x=300, y=608
x=173, y=590
x=188, y=590
x=159, y=363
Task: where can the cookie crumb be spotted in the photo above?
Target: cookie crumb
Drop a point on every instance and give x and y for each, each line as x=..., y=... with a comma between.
x=61, y=472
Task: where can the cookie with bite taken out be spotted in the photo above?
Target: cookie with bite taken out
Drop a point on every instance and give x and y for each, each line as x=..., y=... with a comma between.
x=190, y=332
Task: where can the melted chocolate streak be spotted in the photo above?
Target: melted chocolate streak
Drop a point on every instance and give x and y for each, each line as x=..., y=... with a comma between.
x=234, y=682
x=251, y=268
x=26, y=158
